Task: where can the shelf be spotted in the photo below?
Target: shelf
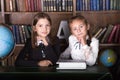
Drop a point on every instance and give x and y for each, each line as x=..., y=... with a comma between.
x=37, y=12
x=104, y=12
x=112, y=45
x=19, y=45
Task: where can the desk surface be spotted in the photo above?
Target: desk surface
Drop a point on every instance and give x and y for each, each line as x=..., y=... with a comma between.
x=93, y=72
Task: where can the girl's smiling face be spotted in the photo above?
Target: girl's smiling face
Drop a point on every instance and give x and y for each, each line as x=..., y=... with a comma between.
x=42, y=28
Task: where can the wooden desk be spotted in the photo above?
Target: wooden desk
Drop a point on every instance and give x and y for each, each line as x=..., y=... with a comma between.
x=51, y=73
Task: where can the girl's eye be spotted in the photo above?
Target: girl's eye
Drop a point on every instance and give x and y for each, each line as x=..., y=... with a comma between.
x=40, y=25
x=81, y=26
x=48, y=26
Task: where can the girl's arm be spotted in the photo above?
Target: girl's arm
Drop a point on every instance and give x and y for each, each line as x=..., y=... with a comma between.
x=23, y=59
x=53, y=52
x=66, y=54
x=91, y=52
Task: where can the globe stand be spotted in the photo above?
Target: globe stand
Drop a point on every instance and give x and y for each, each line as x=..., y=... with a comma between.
x=4, y=59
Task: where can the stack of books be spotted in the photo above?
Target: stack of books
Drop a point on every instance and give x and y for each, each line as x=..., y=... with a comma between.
x=71, y=64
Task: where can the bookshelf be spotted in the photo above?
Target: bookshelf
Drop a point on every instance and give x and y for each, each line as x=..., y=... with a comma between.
x=97, y=18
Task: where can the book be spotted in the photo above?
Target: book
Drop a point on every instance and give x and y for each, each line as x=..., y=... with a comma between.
x=70, y=64
x=14, y=33
x=119, y=35
x=21, y=35
x=23, y=32
x=98, y=32
x=26, y=31
x=116, y=40
x=112, y=34
x=101, y=33
x=107, y=33
x=17, y=34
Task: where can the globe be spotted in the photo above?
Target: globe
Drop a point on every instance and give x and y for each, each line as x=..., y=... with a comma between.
x=108, y=57
x=6, y=41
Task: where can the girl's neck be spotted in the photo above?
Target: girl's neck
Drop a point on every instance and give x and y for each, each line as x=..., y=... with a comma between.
x=40, y=38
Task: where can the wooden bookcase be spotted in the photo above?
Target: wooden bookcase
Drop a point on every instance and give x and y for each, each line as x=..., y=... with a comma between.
x=97, y=19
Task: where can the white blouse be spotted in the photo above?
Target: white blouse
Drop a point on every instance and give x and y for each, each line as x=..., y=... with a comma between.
x=82, y=53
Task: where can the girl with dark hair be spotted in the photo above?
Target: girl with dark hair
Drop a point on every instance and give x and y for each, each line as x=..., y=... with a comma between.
x=41, y=49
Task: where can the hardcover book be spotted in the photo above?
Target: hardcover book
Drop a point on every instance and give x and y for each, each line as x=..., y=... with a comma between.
x=71, y=64
x=107, y=33
x=112, y=34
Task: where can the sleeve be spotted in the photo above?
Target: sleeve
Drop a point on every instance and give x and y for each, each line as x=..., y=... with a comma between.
x=91, y=52
x=53, y=52
x=23, y=59
x=65, y=54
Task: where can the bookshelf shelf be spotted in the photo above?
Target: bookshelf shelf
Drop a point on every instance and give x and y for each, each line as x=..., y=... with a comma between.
x=103, y=12
x=110, y=45
x=19, y=45
x=37, y=12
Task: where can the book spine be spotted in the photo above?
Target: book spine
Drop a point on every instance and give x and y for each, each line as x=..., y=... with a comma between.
x=117, y=34
x=21, y=35
x=77, y=5
x=69, y=5
x=107, y=5
x=107, y=33
x=101, y=4
x=26, y=31
x=17, y=34
x=98, y=32
x=14, y=32
x=102, y=32
x=23, y=32
x=110, y=39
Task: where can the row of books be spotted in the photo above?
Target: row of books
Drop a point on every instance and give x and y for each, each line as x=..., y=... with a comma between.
x=22, y=5
x=38, y=5
x=109, y=34
x=21, y=33
x=97, y=5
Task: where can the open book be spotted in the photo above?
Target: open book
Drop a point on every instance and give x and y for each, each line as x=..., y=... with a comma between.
x=71, y=64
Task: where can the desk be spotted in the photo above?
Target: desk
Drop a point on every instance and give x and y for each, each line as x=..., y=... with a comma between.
x=51, y=73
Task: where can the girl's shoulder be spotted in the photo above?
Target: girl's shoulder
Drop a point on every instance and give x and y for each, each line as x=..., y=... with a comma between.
x=72, y=37
x=94, y=39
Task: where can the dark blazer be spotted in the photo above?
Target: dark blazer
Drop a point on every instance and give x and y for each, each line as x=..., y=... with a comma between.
x=29, y=56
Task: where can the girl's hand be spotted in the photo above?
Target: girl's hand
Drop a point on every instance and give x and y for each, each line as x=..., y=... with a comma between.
x=45, y=63
x=43, y=40
x=82, y=40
